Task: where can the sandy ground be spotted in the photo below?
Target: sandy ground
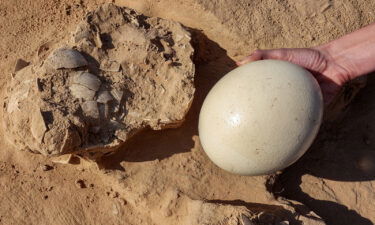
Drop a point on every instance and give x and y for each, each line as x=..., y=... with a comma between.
x=163, y=177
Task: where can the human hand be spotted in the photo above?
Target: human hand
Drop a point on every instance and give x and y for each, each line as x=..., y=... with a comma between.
x=330, y=75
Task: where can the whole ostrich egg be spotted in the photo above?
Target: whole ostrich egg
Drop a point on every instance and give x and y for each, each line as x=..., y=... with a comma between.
x=260, y=117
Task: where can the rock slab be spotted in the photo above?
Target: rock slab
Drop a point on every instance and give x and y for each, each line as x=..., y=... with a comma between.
x=120, y=73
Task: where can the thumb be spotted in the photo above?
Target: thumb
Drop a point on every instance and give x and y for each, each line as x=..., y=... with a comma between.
x=280, y=54
x=255, y=56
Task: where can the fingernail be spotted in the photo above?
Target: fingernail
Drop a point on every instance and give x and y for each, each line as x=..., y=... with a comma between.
x=241, y=62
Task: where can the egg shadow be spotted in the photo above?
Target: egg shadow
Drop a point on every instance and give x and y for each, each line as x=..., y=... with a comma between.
x=211, y=62
x=343, y=151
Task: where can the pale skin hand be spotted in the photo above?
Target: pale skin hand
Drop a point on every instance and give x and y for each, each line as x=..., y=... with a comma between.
x=332, y=64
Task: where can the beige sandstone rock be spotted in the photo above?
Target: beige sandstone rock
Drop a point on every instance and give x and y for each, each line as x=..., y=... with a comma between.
x=122, y=72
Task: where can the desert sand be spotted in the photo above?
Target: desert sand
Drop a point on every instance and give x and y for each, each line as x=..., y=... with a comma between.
x=163, y=177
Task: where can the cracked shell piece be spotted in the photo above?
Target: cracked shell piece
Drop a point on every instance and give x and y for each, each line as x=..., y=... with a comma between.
x=104, y=97
x=83, y=92
x=88, y=80
x=117, y=95
x=66, y=58
x=90, y=109
x=38, y=126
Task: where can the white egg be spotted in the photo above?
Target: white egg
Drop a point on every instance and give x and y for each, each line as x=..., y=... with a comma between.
x=261, y=117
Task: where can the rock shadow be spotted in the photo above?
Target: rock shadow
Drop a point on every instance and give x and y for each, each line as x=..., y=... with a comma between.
x=211, y=63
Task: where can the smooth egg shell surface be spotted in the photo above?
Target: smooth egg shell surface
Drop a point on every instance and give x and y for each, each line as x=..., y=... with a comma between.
x=261, y=117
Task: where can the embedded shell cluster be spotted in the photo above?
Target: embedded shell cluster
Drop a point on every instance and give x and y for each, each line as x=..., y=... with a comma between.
x=121, y=72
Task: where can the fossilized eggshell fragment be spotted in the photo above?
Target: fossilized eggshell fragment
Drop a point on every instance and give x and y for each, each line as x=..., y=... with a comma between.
x=38, y=127
x=261, y=117
x=90, y=108
x=83, y=92
x=88, y=80
x=104, y=97
x=84, y=85
x=66, y=58
x=117, y=94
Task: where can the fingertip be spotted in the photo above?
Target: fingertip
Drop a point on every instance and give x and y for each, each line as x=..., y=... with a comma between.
x=243, y=61
x=240, y=63
x=255, y=56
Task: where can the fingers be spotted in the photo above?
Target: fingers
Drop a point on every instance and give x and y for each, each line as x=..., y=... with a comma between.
x=280, y=54
x=256, y=55
x=309, y=58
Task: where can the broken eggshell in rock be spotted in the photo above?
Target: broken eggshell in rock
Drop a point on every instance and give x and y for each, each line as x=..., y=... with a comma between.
x=104, y=97
x=117, y=94
x=90, y=109
x=87, y=80
x=82, y=92
x=65, y=58
x=84, y=85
